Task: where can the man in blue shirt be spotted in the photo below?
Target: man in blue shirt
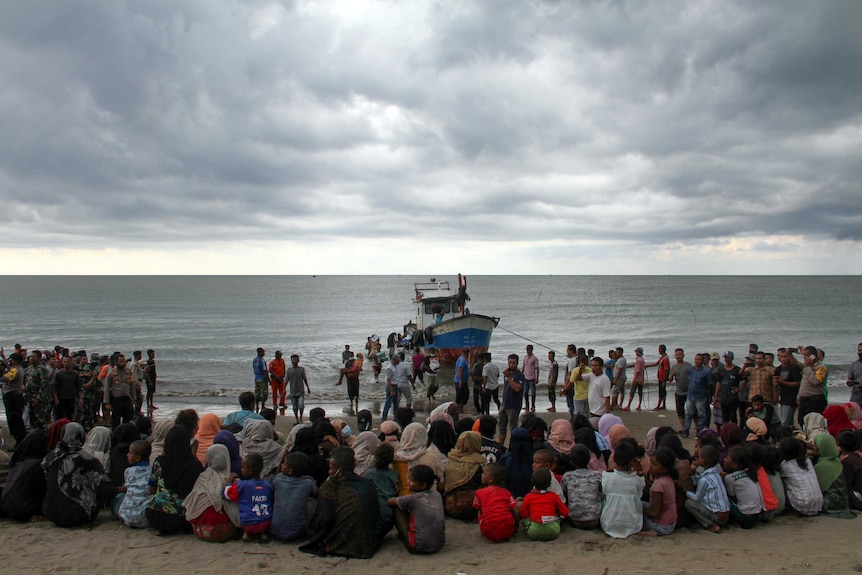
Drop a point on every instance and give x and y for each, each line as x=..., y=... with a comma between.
x=462, y=379
x=699, y=380
x=261, y=380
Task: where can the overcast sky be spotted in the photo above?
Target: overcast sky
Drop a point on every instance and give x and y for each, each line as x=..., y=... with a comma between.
x=410, y=137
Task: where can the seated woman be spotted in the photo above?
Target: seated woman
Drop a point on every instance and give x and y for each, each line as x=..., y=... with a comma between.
x=413, y=451
x=98, y=444
x=463, y=476
x=174, y=475
x=212, y=517
x=518, y=461
x=25, y=485
x=259, y=439
x=208, y=428
x=830, y=476
x=347, y=520
x=121, y=439
x=77, y=484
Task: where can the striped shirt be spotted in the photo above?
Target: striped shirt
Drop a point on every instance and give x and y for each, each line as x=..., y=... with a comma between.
x=710, y=490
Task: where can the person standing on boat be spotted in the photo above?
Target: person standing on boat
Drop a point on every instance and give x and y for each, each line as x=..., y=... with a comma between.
x=462, y=379
x=530, y=367
x=261, y=380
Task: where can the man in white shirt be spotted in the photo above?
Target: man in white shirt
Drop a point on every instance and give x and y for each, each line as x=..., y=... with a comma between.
x=600, y=390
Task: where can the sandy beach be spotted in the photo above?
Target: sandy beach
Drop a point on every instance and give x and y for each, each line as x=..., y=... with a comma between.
x=785, y=545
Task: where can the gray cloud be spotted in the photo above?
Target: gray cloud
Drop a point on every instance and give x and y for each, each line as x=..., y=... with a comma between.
x=645, y=124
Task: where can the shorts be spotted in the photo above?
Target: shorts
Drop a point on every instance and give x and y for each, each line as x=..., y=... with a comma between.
x=680, y=405
x=353, y=387
x=541, y=531
x=497, y=532
x=508, y=420
x=256, y=528
x=297, y=401
x=260, y=390
x=405, y=394
x=619, y=388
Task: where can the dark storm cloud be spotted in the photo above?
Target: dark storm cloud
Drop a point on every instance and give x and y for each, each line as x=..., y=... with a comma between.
x=639, y=123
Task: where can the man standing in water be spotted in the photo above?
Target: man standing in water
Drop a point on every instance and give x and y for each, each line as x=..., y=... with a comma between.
x=261, y=380
x=462, y=378
x=618, y=384
x=295, y=376
x=276, y=378
x=119, y=393
x=150, y=375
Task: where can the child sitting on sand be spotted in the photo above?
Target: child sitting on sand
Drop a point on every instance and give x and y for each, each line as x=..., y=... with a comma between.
x=419, y=515
x=254, y=496
x=800, y=479
x=135, y=492
x=544, y=459
x=292, y=490
x=622, y=510
x=708, y=504
x=541, y=509
x=385, y=480
x=583, y=489
x=746, y=497
x=660, y=512
x=495, y=504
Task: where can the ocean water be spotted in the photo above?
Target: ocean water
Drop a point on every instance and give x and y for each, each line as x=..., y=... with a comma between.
x=205, y=329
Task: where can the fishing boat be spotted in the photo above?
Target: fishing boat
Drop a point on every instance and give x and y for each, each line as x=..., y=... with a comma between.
x=445, y=324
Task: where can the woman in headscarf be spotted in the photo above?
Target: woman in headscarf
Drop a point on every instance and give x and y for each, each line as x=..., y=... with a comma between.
x=561, y=439
x=518, y=461
x=837, y=420
x=76, y=481
x=208, y=428
x=616, y=434
x=213, y=518
x=229, y=440
x=98, y=443
x=413, y=451
x=259, y=439
x=854, y=414
x=682, y=463
x=586, y=436
x=55, y=433
x=343, y=431
x=160, y=432
x=441, y=440
x=390, y=432
x=830, y=476
x=174, y=475
x=731, y=436
x=607, y=421
x=25, y=486
x=463, y=476
x=537, y=428
x=813, y=424
x=364, y=449
x=306, y=443
x=757, y=430
x=122, y=438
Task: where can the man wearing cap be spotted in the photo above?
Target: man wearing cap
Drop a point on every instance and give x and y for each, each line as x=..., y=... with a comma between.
x=727, y=389
x=530, y=368
x=637, y=379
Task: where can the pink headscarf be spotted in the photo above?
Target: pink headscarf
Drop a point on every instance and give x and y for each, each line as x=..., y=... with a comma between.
x=562, y=438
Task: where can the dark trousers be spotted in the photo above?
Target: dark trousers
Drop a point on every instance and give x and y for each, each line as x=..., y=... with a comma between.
x=15, y=403
x=121, y=409
x=729, y=406
x=477, y=398
x=462, y=394
x=65, y=408
x=487, y=396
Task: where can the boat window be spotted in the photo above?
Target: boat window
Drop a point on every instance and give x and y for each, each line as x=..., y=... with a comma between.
x=430, y=307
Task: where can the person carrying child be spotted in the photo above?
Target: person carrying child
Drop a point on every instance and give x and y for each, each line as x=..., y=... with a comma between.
x=133, y=495
x=709, y=504
x=541, y=509
x=254, y=496
x=495, y=504
x=292, y=490
x=419, y=516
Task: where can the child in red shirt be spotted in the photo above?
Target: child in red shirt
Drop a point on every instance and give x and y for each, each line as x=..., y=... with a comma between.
x=541, y=509
x=497, y=519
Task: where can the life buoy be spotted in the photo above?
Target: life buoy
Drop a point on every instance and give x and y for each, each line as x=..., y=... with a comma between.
x=429, y=335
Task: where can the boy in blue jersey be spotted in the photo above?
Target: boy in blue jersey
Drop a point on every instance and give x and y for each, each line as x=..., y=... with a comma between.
x=254, y=496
